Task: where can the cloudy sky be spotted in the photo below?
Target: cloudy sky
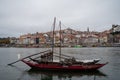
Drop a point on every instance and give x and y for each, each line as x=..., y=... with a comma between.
x=19, y=17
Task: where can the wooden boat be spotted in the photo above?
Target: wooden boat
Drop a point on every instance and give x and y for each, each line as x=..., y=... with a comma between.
x=44, y=60
x=62, y=67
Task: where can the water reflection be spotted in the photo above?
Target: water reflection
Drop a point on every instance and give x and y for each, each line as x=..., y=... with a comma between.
x=54, y=75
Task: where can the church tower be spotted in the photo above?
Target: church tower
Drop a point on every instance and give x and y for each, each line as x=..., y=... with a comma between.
x=88, y=29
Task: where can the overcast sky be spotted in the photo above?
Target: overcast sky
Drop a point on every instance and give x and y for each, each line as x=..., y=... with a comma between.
x=19, y=17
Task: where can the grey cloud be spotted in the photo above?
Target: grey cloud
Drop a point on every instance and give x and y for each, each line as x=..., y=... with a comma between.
x=29, y=16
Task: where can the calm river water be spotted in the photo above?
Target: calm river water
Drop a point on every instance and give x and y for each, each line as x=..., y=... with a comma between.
x=20, y=71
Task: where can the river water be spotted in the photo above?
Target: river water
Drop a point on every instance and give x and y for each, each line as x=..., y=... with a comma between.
x=20, y=71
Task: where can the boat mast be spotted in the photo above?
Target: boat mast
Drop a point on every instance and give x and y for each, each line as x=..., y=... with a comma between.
x=53, y=34
x=60, y=42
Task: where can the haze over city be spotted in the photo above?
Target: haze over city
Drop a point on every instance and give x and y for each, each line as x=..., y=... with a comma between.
x=19, y=17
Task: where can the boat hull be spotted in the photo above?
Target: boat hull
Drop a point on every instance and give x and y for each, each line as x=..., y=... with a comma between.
x=58, y=66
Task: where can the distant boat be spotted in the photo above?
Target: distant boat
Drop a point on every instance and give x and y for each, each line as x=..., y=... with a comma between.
x=44, y=60
x=78, y=46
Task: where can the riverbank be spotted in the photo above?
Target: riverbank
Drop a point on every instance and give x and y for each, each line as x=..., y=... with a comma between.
x=48, y=46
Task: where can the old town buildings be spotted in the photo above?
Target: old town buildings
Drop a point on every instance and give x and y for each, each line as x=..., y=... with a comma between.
x=114, y=36
x=70, y=38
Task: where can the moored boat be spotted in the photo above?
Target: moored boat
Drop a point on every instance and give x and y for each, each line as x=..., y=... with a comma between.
x=62, y=66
